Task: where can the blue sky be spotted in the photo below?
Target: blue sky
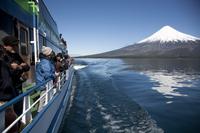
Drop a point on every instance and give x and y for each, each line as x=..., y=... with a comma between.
x=95, y=26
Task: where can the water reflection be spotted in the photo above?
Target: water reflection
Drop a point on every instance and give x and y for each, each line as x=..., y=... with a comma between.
x=169, y=77
x=168, y=84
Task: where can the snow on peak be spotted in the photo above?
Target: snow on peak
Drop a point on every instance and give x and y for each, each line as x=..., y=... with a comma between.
x=169, y=34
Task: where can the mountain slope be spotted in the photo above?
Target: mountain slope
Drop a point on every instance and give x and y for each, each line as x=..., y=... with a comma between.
x=167, y=42
x=168, y=34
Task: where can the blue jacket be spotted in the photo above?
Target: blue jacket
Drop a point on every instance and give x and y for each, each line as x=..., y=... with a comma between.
x=45, y=69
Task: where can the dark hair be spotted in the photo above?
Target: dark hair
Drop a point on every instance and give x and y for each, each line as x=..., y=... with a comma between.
x=59, y=55
x=10, y=41
x=2, y=51
x=66, y=56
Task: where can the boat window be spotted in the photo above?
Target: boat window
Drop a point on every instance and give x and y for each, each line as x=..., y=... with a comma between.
x=23, y=41
x=32, y=50
x=42, y=40
x=31, y=34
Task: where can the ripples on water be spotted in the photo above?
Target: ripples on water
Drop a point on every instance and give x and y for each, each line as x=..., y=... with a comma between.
x=134, y=95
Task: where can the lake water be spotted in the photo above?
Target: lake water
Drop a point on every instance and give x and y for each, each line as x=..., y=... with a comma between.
x=135, y=96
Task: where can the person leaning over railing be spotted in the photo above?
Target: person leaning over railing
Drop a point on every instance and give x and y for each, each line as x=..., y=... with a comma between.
x=7, y=92
x=17, y=66
x=58, y=63
x=45, y=69
x=66, y=61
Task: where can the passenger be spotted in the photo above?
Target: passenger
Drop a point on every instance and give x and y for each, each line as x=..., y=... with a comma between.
x=59, y=64
x=45, y=69
x=67, y=61
x=67, y=65
x=7, y=92
x=71, y=60
x=17, y=67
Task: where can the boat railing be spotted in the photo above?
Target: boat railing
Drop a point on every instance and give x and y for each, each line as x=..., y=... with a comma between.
x=51, y=89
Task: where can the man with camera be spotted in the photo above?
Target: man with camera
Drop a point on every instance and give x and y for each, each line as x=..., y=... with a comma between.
x=17, y=67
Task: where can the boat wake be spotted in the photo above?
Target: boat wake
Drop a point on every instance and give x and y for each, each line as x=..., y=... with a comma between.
x=100, y=107
x=78, y=67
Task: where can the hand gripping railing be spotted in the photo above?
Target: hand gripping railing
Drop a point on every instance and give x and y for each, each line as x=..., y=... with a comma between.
x=26, y=116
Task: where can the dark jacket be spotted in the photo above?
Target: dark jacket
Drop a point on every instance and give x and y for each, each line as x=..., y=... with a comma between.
x=16, y=74
x=7, y=91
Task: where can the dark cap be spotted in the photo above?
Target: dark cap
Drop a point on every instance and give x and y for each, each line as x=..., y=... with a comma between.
x=10, y=40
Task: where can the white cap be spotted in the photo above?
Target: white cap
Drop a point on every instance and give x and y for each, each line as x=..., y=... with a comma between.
x=46, y=50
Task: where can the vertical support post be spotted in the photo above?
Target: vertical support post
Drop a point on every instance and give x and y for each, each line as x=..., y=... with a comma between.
x=26, y=105
x=59, y=83
x=35, y=44
x=35, y=32
x=51, y=92
x=46, y=93
x=24, y=108
x=67, y=74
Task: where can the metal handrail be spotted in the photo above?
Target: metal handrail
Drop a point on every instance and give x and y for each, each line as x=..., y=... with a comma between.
x=28, y=93
x=24, y=113
x=18, y=98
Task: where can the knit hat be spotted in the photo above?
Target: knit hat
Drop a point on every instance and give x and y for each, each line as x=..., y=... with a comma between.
x=46, y=50
x=10, y=40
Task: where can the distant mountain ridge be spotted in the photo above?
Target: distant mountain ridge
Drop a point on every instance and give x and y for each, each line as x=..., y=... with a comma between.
x=167, y=42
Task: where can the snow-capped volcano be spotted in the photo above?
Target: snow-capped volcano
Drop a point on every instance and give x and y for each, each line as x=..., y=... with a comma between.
x=165, y=43
x=169, y=34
